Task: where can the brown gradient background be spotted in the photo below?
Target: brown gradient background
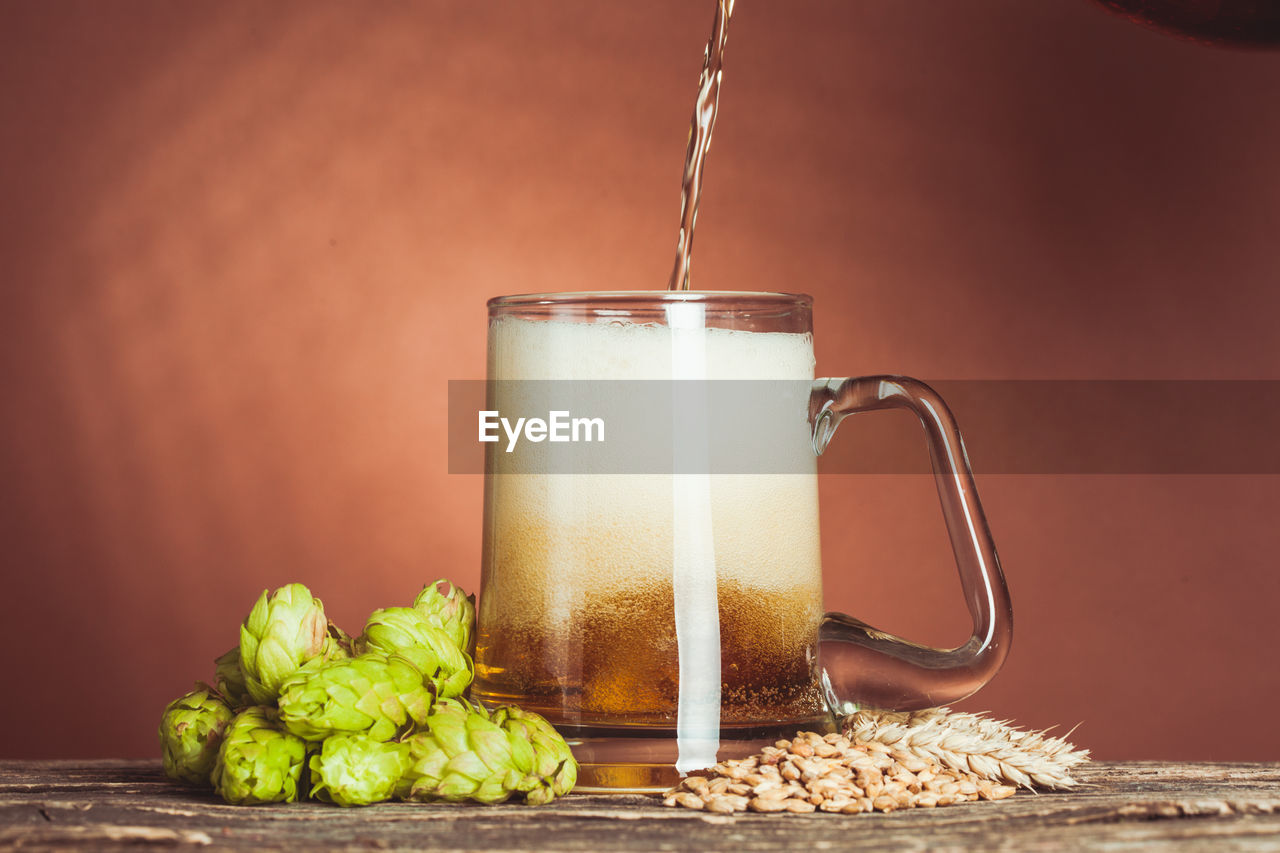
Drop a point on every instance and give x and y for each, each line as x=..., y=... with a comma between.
x=244, y=245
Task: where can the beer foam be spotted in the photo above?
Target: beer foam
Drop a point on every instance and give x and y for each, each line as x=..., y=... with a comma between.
x=615, y=349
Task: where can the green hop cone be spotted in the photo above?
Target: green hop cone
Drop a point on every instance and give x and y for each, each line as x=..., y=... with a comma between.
x=229, y=679
x=554, y=769
x=371, y=694
x=452, y=611
x=191, y=731
x=355, y=770
x=283, y=631
x=259, y=762
x=405, y=631
x=462, y=755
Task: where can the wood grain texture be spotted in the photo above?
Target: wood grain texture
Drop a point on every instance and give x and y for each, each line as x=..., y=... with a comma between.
x=1120, y=806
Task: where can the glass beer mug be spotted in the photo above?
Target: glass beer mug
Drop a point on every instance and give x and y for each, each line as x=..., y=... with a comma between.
x=667, y=618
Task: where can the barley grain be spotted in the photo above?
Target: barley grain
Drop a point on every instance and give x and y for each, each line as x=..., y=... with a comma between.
x=689, y=800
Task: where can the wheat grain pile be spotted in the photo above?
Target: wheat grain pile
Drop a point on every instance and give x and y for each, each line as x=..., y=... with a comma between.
x=883, y=761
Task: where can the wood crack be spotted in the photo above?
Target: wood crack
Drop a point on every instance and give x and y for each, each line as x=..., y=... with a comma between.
x=21, y=836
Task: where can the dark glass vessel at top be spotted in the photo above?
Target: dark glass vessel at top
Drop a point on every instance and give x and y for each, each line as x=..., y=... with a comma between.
x=1227, y=23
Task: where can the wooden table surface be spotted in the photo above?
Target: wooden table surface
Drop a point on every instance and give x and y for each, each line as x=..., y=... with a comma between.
x=1120, y=806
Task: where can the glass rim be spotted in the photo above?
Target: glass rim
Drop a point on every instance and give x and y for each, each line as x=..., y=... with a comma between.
x=723, y=299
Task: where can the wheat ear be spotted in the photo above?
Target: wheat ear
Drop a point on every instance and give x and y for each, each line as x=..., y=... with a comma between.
x=992, y=749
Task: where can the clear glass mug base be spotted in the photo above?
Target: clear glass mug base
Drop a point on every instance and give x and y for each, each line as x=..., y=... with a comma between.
x=641, y=760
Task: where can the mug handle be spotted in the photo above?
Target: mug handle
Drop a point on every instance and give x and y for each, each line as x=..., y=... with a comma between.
x=862, y=667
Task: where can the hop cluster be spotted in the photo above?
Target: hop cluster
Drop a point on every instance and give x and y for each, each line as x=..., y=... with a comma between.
x=300, y=708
